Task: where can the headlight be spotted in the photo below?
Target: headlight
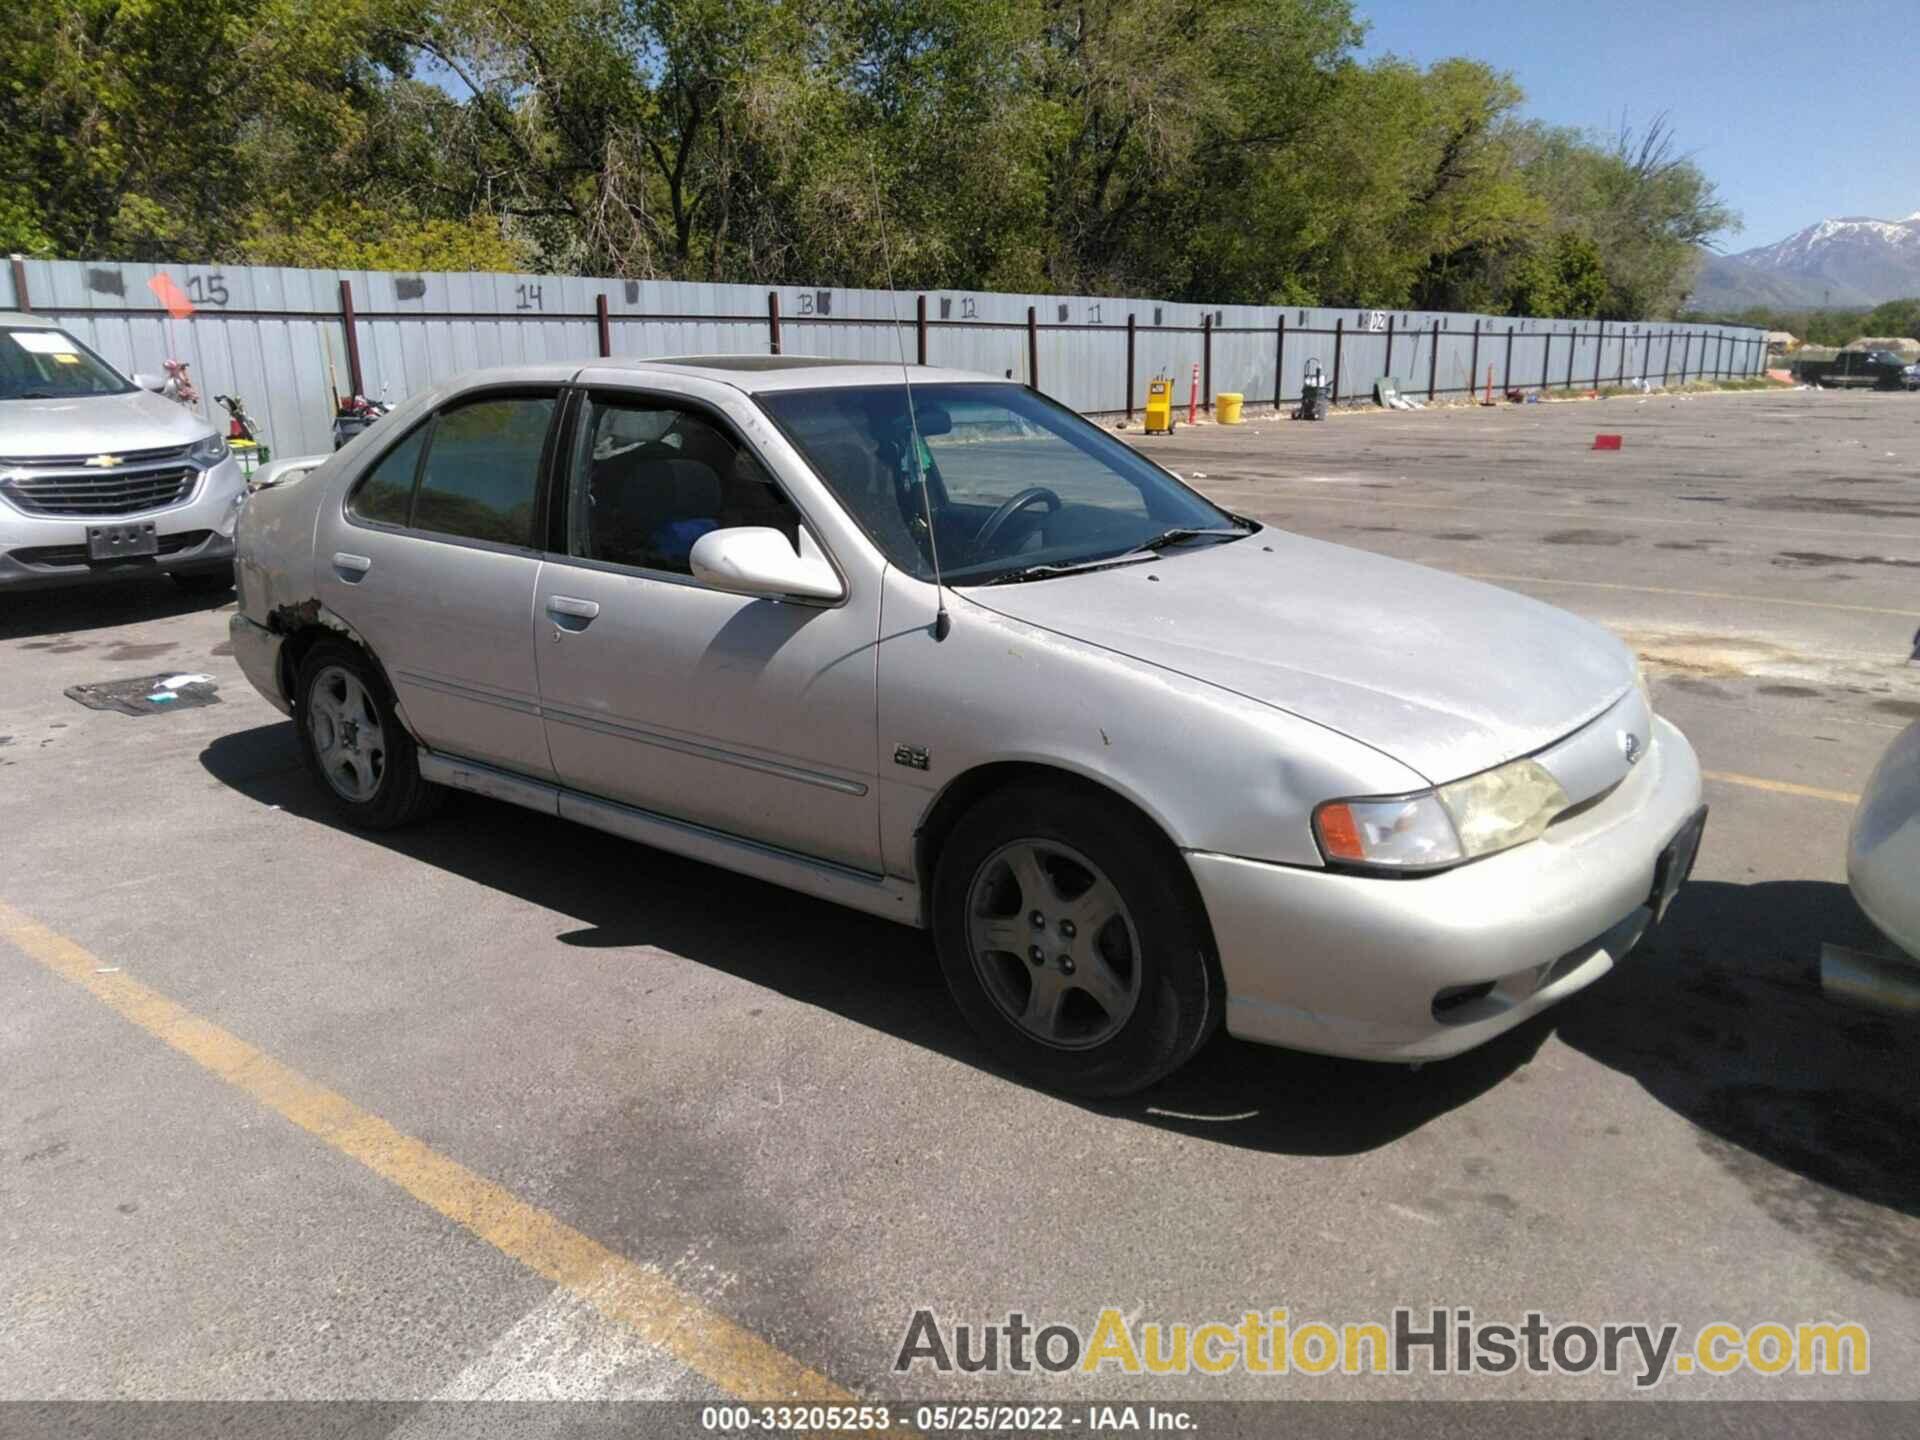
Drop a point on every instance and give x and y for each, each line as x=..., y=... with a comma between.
x=1480, y=815
x=210, y=451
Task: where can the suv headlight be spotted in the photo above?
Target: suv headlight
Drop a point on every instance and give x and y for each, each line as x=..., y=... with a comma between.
x=1480, y=815
x=210, y=451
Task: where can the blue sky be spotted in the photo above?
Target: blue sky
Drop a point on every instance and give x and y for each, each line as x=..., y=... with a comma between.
x=1799, y=111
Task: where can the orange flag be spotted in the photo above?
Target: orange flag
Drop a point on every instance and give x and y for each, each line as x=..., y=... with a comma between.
x=171, y=296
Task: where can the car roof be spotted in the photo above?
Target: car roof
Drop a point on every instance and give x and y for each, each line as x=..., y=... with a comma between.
x=763, y=374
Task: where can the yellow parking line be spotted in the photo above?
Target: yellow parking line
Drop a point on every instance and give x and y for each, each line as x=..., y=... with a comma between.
x=629, y=1293
x=1781, y=787
x=1692, y=594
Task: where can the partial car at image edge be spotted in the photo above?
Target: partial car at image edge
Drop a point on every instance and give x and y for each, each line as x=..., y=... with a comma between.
x=102, y=480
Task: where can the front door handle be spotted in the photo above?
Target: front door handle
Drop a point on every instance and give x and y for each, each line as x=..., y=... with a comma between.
x=351, y=568
x=571, y=614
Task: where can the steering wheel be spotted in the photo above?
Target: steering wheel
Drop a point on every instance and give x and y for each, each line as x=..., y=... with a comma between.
x=1008, y=508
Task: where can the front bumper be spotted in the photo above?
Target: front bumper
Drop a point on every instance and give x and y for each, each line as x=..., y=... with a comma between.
x=50, y=551
x=1353, y=965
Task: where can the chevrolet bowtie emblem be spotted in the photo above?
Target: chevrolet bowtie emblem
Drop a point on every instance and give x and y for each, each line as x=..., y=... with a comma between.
x=104, y=462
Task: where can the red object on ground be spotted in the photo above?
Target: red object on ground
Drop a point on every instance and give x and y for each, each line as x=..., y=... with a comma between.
x=171, y=296
x=1606, y=442
x=1193, y=396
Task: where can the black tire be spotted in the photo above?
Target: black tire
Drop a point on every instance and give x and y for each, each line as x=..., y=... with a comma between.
x=398, y=795
x=204, y=582
x=1180, y=994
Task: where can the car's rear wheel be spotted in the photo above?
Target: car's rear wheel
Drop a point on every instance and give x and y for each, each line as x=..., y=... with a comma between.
x=1070, y=941
x=353, y=742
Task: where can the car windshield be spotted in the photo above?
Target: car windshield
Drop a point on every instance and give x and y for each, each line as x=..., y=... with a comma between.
x=1018, y=486
x=42, y=364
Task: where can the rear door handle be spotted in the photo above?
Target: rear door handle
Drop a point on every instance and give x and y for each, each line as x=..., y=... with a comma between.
x=351, y=568
x=571, y=614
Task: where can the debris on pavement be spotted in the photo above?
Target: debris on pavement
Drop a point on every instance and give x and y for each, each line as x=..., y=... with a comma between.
x=147, y=694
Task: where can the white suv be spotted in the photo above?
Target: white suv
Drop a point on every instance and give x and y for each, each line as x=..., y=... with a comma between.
x=101, y=479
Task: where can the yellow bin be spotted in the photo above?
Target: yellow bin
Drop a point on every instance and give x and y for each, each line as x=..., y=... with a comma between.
x=1226, y=407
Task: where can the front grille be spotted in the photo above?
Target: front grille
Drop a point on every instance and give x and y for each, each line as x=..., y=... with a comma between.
x=76, y=462
x=58, y=556
x=110, y=492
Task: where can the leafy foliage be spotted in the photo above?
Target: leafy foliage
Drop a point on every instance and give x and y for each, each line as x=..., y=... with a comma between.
x=1221, y=150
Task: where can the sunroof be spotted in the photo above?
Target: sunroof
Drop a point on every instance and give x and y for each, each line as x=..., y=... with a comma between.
x=757, y=362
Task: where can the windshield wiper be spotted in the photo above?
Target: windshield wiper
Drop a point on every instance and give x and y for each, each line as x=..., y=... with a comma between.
x=1190, y=532
x=1074, y=567
x=35, y=395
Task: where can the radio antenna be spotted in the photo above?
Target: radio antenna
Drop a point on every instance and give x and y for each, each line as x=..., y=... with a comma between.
x=942, y=622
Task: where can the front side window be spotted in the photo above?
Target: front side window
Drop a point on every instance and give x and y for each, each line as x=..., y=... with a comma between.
x=649, y=479
x=37, y=363
x=482, y=469
x=1013, y=481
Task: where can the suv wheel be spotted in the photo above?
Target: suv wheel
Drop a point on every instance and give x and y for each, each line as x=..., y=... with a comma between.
x=1069, y=943
x=353, y=742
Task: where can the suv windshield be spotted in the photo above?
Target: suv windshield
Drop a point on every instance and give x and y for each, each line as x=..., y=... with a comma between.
x=42, y=364
x=1018, y=486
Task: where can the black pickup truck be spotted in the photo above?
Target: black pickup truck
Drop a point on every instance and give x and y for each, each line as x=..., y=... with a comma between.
x=1858, y=370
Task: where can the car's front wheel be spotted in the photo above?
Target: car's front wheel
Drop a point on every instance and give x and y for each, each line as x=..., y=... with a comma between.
x=353, y=742
x=1070, y=942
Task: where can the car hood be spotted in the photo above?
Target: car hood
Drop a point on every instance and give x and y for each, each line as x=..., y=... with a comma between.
x=1448, y=676
x=96, y=424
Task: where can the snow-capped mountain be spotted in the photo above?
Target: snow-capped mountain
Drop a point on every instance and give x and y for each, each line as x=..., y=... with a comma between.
x=1854, y=260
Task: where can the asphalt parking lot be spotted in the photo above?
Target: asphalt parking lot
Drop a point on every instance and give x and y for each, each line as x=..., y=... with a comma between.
x=503, y=1107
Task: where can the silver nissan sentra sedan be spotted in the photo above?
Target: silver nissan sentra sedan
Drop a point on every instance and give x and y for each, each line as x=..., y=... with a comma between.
x=951, y=654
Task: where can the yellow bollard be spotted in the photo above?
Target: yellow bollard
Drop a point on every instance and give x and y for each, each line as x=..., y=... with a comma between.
x=1226, y=407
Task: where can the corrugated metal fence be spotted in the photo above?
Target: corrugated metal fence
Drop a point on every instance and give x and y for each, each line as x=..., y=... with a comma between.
x=286, y=341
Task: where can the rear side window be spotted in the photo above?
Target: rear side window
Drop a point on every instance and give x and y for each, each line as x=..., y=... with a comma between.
x=483, y=469
x=383, y=497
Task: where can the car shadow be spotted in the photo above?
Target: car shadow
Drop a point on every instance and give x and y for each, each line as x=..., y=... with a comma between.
x=67, y=612
x=1719, y=1015
x=618, y=894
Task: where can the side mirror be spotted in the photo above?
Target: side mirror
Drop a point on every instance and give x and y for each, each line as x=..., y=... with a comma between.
x=756, y=560
x=155, y=383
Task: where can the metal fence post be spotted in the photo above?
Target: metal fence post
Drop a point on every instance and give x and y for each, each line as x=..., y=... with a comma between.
x=1506, y=365
x=1279, y=357
x=1206, y=362
x=1130, y=332
x=605, y=326
x=1033, y=348
x=1388, y=367
x=1599, y=349
x=1473, y=363
x=1433, y=362
x=1573, y=352
x=21, y=302
x=1339, y=334
x=353, y=338
x=1666, y=365
x=1686, y=355
x=773, y=322
x=1546, y=357
x=920, y=306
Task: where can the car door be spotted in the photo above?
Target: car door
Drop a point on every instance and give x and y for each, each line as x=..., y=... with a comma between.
x=432, y=560
x=747, y=715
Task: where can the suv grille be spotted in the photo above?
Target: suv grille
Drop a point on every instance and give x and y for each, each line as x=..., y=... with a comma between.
x=106, y=492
